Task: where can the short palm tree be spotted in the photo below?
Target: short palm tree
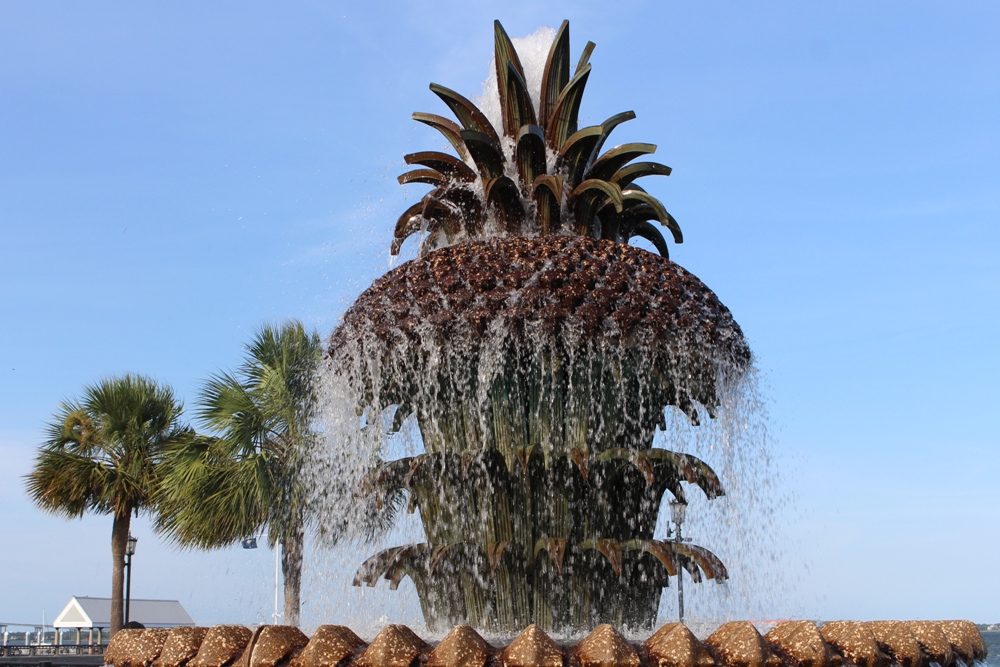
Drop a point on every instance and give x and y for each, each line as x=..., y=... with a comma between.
x=243, y=477
x=102, y=455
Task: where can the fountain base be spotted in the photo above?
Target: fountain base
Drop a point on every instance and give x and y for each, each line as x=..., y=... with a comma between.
x=734, y=644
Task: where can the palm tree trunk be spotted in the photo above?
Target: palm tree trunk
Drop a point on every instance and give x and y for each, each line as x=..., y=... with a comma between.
x=291, y=570
x=119, y=539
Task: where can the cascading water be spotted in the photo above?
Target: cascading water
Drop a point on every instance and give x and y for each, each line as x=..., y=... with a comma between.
x=539, y=364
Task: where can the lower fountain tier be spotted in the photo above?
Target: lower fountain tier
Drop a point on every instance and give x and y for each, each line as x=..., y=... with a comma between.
x=558, y=540
x=500, y=587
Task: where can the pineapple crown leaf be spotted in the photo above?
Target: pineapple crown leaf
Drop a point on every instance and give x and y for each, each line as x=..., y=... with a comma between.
x=544, y=175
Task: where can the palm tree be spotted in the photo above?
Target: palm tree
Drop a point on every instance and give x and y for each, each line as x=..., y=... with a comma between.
x=102, y=455
x=243, y=477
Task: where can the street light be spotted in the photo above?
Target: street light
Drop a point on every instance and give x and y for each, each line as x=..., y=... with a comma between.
x=677, y=512
x=129, y=552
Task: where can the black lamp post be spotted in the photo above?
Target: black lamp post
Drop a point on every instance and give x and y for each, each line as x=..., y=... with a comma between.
x=129, y=552
x=677, y=512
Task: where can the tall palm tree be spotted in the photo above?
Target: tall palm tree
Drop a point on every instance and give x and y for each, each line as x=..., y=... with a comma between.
x=243, y=476
x=102, y=455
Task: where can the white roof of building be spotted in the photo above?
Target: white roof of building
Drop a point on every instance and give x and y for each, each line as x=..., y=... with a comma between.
x=84, y=612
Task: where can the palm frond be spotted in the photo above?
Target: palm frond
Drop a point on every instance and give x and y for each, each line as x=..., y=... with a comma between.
x=242, y=477
x=209, y=499
x=102, y=452
x=66, y=483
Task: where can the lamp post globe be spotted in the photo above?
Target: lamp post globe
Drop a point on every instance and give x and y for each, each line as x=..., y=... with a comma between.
x=678, y=511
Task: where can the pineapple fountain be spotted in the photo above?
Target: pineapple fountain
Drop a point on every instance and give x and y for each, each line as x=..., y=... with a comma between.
x=537, y=350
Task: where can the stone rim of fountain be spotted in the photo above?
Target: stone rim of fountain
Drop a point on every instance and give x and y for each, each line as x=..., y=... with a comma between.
x=733, y=644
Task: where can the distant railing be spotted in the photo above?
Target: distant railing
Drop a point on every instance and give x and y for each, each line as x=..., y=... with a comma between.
x=52, y=650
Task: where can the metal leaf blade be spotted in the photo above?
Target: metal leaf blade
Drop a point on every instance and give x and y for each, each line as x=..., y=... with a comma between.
x=530, y=154
x=548, y=202
x=555, y=547
x=588, y=197
x=585, y=56
x=606, y=165
x=636, y=197
x=555, y=75
x=449, y=165
x=451, y=131
x=647, y=231
x=407, y=224
x=468, y=114
x=607, y=128
x=626, y=175
x=428, y=176
x=516, y=104
x=563, y=120
x=504, y=199
x=574, y=155
x=485, y=152
x=373, y=568
x=692, y=469
x=509, y=72
x=438, y=209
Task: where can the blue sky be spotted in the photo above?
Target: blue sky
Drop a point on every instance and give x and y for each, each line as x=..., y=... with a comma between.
x=172, y=176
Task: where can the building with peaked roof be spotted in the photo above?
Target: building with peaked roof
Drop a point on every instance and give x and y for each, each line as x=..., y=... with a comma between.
x=94, y=615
